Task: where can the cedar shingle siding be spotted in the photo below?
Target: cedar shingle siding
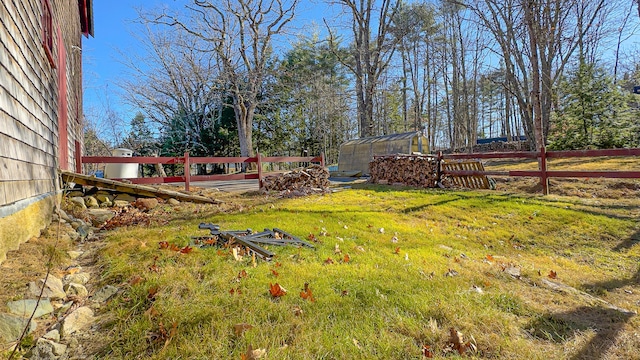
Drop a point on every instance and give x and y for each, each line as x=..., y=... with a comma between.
x=32, y=110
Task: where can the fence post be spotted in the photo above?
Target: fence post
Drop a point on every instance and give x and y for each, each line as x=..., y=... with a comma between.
x=322, y=159
x=544, y=179
x=259, y=161
x=438, y=168
x=187, y=171
x=78, y=158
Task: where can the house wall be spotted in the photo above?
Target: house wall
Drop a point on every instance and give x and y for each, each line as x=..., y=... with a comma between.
x=29, y=113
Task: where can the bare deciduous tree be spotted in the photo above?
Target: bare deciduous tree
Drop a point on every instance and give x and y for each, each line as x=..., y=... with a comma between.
x=537, y=39
x=240, y=33
x=372, y=52
x=174, y=84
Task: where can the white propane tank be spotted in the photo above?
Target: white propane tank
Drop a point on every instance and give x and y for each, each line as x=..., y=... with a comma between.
x=121, y=171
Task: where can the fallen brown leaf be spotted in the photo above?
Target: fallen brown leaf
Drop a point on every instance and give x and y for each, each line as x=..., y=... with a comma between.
x=426, y=351
x=186, y=250
x=135, y=280
x=239, y=329
x=152, y=292
x=276, y=290
x=242, y=274
x=307, y=294
x=151, y=313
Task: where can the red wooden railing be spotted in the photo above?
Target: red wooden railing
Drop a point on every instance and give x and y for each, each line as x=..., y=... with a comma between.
x=187, y=178
x=543, y=173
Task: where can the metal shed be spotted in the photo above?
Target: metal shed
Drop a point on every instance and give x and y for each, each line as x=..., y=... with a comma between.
x=356, y=154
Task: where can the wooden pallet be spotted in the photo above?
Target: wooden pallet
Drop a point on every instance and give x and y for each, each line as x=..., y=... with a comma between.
x=466, y=181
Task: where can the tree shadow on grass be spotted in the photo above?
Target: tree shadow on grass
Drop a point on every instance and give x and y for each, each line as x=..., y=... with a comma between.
x=600, y=287
x=606, y=322
x=628, y=243
x=561, y=327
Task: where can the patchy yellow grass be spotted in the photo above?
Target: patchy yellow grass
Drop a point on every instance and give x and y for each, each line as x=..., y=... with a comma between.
x=594, y=188
x=391, y=298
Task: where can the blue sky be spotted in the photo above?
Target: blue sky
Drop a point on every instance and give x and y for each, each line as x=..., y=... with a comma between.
x=113, y=26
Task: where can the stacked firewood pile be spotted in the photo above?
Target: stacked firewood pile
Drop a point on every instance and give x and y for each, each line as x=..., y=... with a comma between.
x=300, y=182
x=410, y=170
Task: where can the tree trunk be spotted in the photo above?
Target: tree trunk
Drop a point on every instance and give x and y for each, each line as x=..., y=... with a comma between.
x=244, y=119
x=535, y=76
x=159, y=168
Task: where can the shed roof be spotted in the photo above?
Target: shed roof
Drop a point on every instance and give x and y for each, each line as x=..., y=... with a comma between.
x=392, y=137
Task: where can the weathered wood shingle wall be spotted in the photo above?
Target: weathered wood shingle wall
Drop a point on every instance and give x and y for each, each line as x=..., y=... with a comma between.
x=33, y=113
x=29, y=94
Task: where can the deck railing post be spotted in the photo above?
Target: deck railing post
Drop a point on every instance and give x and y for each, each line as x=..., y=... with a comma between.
x=259, y=164
x=439, y=168
x=187, y=171
x=78, y=157
x=544, y=179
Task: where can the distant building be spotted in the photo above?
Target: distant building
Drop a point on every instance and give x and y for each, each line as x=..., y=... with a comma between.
x=40, y=109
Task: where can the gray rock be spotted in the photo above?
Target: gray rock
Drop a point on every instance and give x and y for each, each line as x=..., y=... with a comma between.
x=73, y=235
x=121, y=203
x=42, y=351
x=76, y=224
x=25, y=307
x=47, y=350
x=74, y=289
x=75, y=193
x=91, y=202
x=65, y=216
x=11, y=327
x=76, y=320
x=56, y=349
x=146, y=204
x=78, y=278
x=53, y=335
x=64, y=308
x=52, y=289
x=106, y=204
x=100, y=216
x=513, y=271
x=78, y=202
x=104, y=294
x=173, y=201
x=102, y=198
x=84, y=231
x=125, y=197
x=74, y=254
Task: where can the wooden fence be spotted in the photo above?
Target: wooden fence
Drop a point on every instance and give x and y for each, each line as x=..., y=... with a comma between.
x=543, y=173
x=187, y=161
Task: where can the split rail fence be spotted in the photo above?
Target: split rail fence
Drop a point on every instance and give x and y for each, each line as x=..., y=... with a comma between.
x=187, y=161
x=543, y=173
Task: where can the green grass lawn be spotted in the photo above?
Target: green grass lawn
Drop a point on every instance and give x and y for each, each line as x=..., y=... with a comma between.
x=475, y=262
